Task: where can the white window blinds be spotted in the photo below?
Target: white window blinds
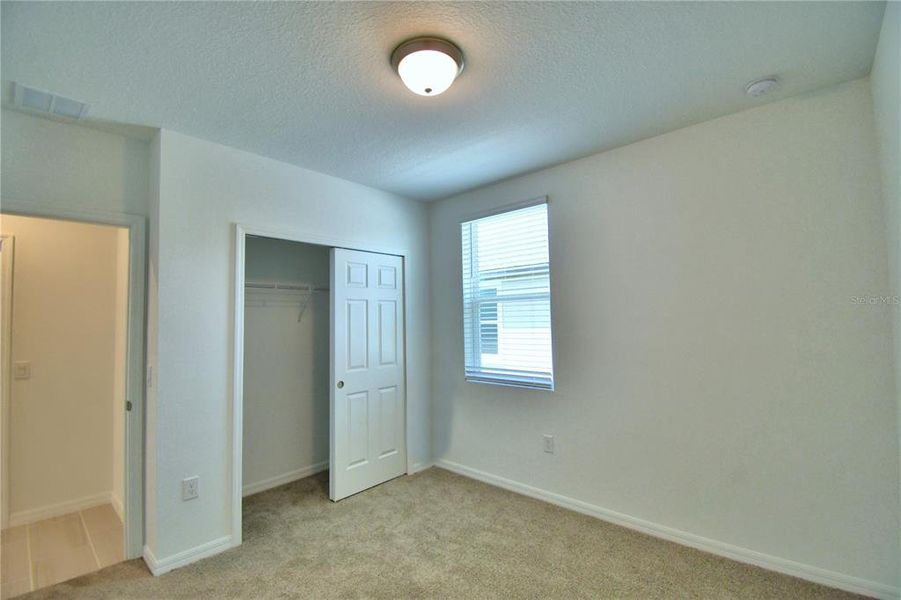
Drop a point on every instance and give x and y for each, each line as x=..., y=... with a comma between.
x=507, y=299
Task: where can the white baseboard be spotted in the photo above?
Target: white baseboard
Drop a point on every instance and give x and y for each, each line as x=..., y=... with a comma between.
x=117, y=506
x=781, y=565
x=186, y=557
x=267, y=484
x=33, y=515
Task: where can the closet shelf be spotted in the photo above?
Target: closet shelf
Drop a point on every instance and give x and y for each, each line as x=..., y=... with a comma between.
x=281, y=293
x=293, y=286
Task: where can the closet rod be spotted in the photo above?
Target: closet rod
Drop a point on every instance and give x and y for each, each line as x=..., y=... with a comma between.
x=294, y=287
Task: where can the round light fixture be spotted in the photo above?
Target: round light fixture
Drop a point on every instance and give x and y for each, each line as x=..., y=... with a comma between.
x=427, y=65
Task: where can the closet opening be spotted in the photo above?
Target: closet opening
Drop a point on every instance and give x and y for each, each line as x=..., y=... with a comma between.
x=320, y=380
x=286, y=362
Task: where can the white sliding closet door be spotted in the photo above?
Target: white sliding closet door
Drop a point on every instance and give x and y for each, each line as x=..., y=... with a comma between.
x=367, y=367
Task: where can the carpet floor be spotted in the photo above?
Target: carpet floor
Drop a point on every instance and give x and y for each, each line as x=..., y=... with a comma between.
x=436, y=535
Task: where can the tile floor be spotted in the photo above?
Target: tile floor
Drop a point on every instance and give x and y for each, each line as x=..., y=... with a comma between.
x=54, y=550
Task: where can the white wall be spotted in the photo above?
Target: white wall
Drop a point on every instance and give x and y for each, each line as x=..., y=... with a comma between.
x=205, y=188
x=286, y=364
x=886, y=85
x=60, y=164
x=65, y=296
x=713, y=374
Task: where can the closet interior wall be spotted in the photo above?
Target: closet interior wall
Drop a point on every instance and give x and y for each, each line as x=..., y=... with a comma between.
x=286, y=362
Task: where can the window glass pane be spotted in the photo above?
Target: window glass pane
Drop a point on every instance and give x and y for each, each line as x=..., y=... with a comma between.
x=507, y=300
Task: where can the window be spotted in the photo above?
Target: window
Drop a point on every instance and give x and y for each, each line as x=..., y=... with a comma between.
x=488, y=322
x=507, y=299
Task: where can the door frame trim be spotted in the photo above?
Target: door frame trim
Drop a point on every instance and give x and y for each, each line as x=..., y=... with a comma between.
x=135, y=422
x=237, y=404
x=8, y=257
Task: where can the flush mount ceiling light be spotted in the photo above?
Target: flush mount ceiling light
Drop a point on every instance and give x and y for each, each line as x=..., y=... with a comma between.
x=427, y=65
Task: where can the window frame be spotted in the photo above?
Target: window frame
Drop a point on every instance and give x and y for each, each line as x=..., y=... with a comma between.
x=476, y=333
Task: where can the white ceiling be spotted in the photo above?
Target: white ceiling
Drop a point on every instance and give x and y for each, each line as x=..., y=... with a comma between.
x=310, y=83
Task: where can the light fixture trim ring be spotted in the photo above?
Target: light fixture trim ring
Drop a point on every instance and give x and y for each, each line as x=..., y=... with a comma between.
x=427, y=43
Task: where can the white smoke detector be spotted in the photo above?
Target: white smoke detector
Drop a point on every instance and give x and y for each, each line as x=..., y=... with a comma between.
x=759, y=87
x=48, y=103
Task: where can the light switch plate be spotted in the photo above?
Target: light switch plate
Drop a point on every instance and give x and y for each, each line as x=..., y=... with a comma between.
x=22, y=369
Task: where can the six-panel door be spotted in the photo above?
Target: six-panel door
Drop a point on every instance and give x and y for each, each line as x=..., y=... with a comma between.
x=367, y=367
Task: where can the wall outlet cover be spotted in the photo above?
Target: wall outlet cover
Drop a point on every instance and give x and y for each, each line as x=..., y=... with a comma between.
x=549, y=444
x=190, y=488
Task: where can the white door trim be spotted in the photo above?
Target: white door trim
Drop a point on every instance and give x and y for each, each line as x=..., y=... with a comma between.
x=8, y=256
x=134, y=349
x=237, y=406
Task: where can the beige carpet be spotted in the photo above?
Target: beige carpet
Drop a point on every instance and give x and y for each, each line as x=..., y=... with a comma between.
x=436, y=534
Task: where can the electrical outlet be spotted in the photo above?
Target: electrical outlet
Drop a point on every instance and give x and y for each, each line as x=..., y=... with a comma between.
x=190, y=488
x=549, y=444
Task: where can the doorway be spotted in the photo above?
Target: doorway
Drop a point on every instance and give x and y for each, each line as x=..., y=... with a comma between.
x=286, y=362
x=319, y=365
x=72, y=334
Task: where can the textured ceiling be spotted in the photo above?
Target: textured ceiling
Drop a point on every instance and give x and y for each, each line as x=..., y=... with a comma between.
x=310, y=83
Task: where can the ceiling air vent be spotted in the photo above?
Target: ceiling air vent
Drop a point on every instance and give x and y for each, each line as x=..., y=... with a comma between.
x=48, y=103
